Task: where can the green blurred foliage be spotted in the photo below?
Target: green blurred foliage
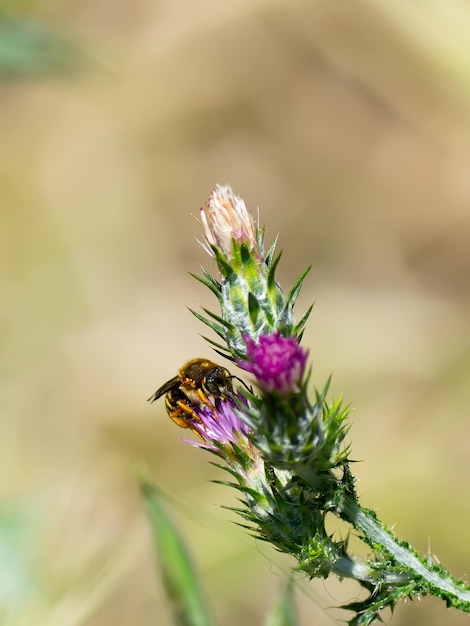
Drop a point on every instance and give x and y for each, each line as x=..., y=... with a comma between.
x=28, y=48
x=181, y=582
x=348, y=125
x=283, y=613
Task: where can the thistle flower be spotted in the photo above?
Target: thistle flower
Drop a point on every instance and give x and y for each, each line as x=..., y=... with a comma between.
x=277, y=362
x=219, y=426
x=251, y=300
x=224, y=219
x=285, y=451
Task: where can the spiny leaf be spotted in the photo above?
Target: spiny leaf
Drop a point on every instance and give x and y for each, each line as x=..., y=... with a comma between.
x=226, y=468
x=272, y=270
x=215, y=288
x=224, y=355
x=259, y=234
x=249, y=270
x=245, y=254
x=211, y=279
x=220, y=319
x=321, y=396
x=254, y=309
x=220, y=347
x=225, y=483
x=219, y=330
x=294, y=292
x=271, y=251
x=298, y=330
x=225, y=268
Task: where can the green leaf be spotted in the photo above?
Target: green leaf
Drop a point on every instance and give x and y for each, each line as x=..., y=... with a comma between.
x=209, y=281
x=220, y=319
x=294, y=292
x=283, y=612
x=219, y=330
x=224, y=266
x=18, y=522
x=219, y=348
x=29, y=48
x=245, y=254
x=179, y=578
x=254, y=309
x=321, y=395
x=272, y=270
x=299, y=328
x=271, y=251
x=249, y=268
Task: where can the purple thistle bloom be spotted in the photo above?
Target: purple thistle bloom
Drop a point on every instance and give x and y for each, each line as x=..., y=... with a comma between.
x=277, y=362
x=222, y=425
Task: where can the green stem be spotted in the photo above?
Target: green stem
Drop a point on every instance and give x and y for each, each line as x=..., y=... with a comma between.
x=348, y=567
x=402, y=573
x=439, y=581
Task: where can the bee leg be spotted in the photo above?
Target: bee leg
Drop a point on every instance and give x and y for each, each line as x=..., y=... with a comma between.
x=184, y=417
x=203, y=399
x=190, y=414
x=179, y=419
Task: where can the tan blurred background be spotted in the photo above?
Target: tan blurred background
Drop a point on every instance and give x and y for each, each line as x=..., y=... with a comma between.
x=348, y=124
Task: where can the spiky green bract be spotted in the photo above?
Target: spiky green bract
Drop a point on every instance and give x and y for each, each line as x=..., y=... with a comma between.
x=279, y=510
x=251, y=300
x=291, y=431
x=288, y=507
x=289, y=510
x=394, y=570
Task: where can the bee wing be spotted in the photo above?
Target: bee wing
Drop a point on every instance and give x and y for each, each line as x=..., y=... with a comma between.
x=165, y=388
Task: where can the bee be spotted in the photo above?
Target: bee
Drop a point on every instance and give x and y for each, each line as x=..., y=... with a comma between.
x=197, y=382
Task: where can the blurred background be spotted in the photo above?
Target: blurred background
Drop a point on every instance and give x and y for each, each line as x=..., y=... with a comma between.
x=348, y=125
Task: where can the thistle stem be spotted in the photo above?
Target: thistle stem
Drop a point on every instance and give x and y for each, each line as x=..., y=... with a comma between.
x=361, y=571
x=437, y=579
x=398, y=571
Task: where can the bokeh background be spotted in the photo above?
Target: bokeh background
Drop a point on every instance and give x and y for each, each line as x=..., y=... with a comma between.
x=348, y=124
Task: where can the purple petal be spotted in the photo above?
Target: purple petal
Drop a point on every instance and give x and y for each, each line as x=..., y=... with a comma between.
x=277, y=362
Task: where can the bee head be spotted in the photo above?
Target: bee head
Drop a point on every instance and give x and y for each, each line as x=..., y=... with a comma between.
x=217, y=382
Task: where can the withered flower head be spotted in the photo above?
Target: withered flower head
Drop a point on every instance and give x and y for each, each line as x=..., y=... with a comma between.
x=225, y=218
